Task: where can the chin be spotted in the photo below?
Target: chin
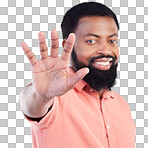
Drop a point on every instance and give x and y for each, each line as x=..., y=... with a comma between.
x=101, y=79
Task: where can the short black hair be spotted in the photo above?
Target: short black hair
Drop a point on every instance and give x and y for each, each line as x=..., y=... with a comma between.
x=72, y=16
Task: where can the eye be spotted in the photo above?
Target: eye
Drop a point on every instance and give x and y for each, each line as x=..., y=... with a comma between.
x=91, y=41
x=113, y=41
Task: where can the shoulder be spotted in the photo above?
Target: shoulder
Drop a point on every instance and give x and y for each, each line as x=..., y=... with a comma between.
x=122, y=103
x=118, y=98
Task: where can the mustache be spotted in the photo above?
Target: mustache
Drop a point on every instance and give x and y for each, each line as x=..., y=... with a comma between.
x=102, y=56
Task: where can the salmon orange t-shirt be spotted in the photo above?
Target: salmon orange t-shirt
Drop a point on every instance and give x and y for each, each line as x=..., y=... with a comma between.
x=80, y=119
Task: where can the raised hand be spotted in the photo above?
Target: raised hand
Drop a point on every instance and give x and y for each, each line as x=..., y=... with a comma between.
x=50, y=74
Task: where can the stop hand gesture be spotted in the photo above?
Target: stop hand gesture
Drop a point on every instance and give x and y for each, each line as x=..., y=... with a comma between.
x=50, y=74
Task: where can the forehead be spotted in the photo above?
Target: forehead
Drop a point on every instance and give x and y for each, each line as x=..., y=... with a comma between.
x=96, y=24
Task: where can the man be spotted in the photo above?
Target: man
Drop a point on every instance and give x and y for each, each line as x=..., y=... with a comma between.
x=66, y=111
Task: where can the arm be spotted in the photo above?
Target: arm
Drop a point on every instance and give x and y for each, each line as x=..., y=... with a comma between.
x=50, y=77
x=33, y=105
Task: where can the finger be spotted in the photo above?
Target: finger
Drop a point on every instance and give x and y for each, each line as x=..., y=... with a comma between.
x=54, y=44
x=43, y=46
x=30, y=55
x=76, y=77
x=68, y=47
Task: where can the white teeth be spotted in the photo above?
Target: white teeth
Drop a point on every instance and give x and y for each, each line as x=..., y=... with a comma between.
x=110, y=59
x=102, y=63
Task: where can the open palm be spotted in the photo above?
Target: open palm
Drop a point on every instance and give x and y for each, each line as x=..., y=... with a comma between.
x=50, y=74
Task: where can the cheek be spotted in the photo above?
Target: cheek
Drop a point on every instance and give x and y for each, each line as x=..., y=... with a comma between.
x=83, y=53
x=116, y=53
x=82, y=56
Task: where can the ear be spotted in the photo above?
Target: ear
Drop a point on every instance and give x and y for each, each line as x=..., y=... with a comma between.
x=64, y=42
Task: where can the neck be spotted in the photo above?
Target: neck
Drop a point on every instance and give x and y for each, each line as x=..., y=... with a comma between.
x=100, y=93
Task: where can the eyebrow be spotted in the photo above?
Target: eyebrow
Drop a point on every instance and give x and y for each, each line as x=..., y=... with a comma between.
x=115, y=34
x=97, y=36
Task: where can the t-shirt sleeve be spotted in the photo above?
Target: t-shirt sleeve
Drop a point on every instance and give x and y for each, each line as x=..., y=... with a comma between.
x=49, y=119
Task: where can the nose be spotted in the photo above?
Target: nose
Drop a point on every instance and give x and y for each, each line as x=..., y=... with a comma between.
x=104, y=49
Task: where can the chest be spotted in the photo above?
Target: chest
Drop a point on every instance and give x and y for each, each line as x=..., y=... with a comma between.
x=107, y=122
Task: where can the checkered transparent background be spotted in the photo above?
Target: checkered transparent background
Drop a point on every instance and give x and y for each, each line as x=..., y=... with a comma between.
x=21, y=20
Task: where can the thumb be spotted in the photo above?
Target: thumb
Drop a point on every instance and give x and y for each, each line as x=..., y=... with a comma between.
x=76, y=77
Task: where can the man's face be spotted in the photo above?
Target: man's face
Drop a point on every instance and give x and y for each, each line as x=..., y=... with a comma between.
x=96, y=47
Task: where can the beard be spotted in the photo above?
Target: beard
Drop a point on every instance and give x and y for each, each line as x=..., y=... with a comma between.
x=97, y=79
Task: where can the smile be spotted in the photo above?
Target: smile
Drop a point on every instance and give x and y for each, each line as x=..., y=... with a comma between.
x=103, y=63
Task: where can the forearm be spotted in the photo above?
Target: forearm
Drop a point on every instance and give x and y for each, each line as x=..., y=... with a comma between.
x=33, y=105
